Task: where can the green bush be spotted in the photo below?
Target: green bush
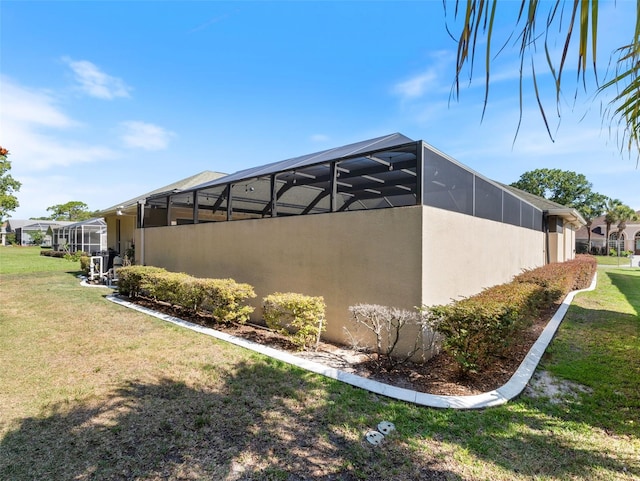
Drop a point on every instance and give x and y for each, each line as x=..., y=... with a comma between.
x=480, y=327
x=299, y=317
x=133, y=279
x=84, y=264
x=221, y=298
x=164, y=286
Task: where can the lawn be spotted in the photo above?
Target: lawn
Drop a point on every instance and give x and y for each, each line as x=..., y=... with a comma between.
x=618, y=261
x=93, y=391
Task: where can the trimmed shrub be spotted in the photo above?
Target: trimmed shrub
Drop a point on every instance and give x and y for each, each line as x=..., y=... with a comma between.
x=584, y=268
x=299, y=317
x=555, y=279
x=164, y=286
x=84, y=264
x=133, y=279
x=52, y=253
x=221, y=298
x=481, y=327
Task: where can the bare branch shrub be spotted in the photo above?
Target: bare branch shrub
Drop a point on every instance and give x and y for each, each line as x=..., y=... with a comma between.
x=389, y=326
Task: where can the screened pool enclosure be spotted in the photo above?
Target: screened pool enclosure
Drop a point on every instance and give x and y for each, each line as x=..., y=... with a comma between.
x=88, y=236
x=385, y=172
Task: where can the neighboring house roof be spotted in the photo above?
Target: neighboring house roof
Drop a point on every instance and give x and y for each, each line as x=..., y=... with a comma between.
x=95, y=221
x=598, y=228
x=552, y=208
x=187, y=183
x=31, y=224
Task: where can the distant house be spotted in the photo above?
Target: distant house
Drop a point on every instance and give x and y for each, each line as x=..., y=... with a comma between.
x=388, y=221
x=627, y=240
x=24, y=230
x=88, y=236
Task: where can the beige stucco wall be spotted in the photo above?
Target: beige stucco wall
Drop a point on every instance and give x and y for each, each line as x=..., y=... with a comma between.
x=556, y=246
x=349, y=257
x=562, y=245
x=569, y=243
x=462, y=254
x=403, y=257
x=127, y=231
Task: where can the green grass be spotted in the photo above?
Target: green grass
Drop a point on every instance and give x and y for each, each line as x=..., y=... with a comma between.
x=91, y=390
x=613, y=261
x=14, y=260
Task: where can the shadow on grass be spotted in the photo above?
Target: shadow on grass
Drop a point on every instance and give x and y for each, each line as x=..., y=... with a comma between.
x=602, y=354
x=532, y=440
x=253, y=427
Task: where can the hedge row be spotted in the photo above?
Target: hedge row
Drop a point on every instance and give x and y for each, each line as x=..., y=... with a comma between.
x=558, y=279
x=223, y=299
x=479, y=328
x=299, y=317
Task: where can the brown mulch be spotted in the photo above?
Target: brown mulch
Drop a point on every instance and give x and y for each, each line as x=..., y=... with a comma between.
x=439, y=375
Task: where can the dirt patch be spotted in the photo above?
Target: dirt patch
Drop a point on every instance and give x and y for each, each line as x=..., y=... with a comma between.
x=544, y=384
x=439, y=375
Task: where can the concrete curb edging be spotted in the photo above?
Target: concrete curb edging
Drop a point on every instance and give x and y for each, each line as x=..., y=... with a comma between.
x=497, y=397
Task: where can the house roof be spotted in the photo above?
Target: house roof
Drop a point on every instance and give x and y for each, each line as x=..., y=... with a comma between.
x=345, y=151
x=552, y=208
x=186, y=183
x=391, y=155
x=33, y=224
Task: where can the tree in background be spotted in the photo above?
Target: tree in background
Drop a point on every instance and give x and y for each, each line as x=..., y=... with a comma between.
x=611, y=215
x=564, y=187
x=624, y=214
x=536, y=25
x=592, y=211
x=8, y=186
x=37, y=237
x=74, y=211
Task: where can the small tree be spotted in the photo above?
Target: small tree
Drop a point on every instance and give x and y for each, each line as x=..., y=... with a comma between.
x=8, y=186
x=37, y=237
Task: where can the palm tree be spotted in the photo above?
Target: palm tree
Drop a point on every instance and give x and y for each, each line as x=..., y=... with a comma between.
x=535, y=23
x=589, y=215
x=624, y=214
x=611, y=215
x=593, y=208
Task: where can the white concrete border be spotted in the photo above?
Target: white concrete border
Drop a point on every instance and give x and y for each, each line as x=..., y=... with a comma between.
x=508, y=391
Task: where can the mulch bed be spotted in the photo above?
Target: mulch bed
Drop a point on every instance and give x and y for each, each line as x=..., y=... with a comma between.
x=439, y=375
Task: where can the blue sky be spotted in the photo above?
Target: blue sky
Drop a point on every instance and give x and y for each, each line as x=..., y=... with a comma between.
x=103, y=101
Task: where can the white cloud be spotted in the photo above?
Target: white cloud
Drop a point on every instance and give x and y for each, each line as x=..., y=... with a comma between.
x=36, y=131
x=95, y=82
x=319, y=138
x=24, y=105
x=145, y=136
x=416, y=86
